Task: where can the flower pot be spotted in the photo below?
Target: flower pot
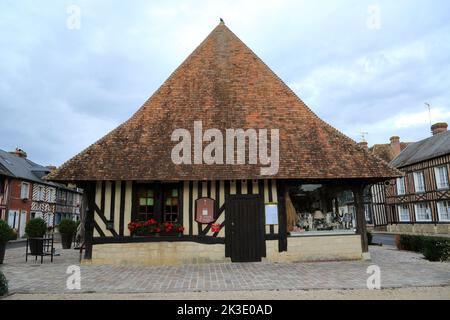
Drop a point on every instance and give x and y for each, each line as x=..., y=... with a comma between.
x=66, y=241
x=36, y=246
x=2, y=252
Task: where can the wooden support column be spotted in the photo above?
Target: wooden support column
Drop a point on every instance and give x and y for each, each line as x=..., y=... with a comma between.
x=358, y=195
x=282, y=216
x=89, y=222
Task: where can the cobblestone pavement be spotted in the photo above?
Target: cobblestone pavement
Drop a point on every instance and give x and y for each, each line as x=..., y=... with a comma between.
x=398, y=269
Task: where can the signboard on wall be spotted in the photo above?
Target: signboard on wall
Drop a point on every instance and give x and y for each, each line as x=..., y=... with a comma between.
x=271, y=210
x=204, y=210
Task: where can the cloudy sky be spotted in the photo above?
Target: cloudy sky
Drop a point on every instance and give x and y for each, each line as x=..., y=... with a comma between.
x=363, y=66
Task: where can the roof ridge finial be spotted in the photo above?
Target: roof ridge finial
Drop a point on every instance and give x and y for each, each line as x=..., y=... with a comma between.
x=221, y=21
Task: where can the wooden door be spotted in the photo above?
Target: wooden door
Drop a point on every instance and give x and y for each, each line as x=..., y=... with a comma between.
x=244, y=231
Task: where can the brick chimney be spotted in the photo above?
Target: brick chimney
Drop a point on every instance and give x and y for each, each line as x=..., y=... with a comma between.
x=19, y=153
x=364, y=145
x=395, y=146
x=439, y=128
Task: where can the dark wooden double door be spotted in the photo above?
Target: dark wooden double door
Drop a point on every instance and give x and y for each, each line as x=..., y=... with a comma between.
x=245, y=228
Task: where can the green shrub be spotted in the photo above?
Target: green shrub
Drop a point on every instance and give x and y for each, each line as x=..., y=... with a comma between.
x=437, y=249
x=36, y=228
x=3, y=285
x=433, y=248
x=67, y=226
x=412, y=242
x=5, y=232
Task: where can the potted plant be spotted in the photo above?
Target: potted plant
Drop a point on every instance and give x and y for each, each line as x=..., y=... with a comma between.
x=35, y=230
x=67, y=228
x=5, y=235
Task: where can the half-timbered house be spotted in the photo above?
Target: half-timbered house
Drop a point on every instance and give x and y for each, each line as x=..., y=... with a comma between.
x=228, y=211
x=419, y=202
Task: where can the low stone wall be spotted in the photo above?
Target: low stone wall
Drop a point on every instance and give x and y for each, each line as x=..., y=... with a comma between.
x=157, y=253
x=314, y=248
x=321, y=248
x=419, y=228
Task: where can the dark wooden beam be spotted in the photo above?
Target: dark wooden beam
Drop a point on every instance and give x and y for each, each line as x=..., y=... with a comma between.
x=361, y=229
x=89, y=189
x=282, y=216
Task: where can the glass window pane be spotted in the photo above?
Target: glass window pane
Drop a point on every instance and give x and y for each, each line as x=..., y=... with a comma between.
x=175, y=193
x=142, y=201
x=150, y=201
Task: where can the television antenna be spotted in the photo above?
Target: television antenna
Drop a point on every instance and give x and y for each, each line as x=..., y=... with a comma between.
x=429, y=112
x=363, y=135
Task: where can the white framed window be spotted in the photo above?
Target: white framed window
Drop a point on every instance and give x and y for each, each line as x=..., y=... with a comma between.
x=444, y=210
x=441, y=174
x=41, y=193
x=401, y=189
x=423, y=212
x=24, y=190
x=403, y=213
x=419, y=182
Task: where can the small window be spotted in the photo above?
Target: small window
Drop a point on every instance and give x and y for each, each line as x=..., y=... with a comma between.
x=41, y=193
x=444, y=210
x=146, y=206
x=423, y=212
x=441, y=174
x=403, y=213
x=171, y=204
x=401, y=190
x=419, y=182
x=24, y=190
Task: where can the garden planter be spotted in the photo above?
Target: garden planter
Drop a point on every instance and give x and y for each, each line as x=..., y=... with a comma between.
x=2, y=252
x=36, y=246
x=66, y=241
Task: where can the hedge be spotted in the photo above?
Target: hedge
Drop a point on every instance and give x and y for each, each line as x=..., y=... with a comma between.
x=433, y=248
x=3, y=285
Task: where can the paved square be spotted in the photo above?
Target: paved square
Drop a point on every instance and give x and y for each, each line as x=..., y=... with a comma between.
x=398, y=269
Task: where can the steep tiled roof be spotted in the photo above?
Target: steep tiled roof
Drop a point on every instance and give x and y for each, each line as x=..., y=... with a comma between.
x=224, y=85
x=423, y=150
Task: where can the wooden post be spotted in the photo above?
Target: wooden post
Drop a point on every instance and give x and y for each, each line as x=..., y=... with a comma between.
x=282, y=216
x=89, y=223
x=358, y=195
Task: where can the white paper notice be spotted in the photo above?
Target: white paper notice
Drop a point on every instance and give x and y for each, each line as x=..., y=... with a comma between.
x=272, y=214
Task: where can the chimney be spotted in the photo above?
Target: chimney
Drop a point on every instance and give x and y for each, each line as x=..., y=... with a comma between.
x=19, y=153
x=51, y=168
x=395, y=146
x=439, y=128
x=364, y=145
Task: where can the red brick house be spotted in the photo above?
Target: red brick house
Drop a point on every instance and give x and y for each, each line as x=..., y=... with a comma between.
x=24, y=194
x=228, y=211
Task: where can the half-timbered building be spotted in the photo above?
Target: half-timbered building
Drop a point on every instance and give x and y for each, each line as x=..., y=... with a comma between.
x=419, y=202
x=228, y=211
x=24, y=194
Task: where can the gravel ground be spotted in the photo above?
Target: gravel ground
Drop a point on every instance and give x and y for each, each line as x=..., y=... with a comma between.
x=423, y=293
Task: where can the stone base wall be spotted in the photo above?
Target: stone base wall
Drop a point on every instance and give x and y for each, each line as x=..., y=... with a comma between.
x=320, y=248
x=324, y=248
x=157, y=253
x=419, y=228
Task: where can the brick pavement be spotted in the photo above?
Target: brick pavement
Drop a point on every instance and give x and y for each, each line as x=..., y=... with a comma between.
x=398, y=269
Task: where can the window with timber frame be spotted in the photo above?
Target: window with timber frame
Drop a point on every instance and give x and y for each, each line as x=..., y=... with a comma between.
x=156, y=201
